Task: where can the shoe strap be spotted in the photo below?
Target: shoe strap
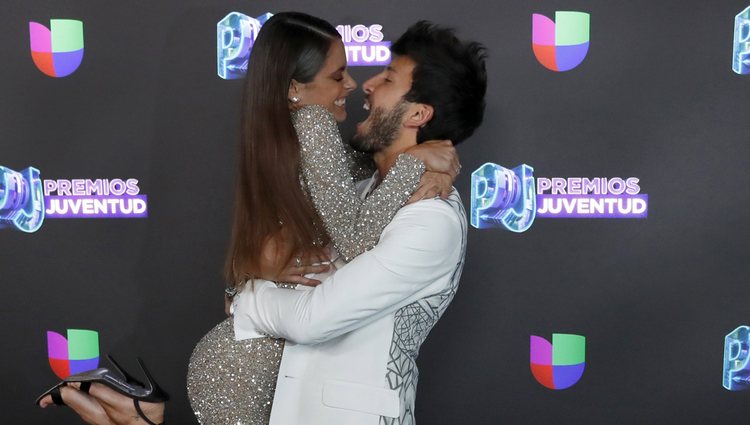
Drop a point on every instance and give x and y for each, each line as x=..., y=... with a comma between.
x=141, y=414
x=57, y=397
x=85, y=387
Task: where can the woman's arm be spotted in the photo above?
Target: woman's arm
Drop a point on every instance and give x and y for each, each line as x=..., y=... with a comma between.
x=353, y=224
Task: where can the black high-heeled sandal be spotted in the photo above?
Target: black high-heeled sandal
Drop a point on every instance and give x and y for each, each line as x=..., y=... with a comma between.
x=129, y=386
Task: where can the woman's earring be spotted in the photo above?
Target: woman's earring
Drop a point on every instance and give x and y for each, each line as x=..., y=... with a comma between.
x=295, y=99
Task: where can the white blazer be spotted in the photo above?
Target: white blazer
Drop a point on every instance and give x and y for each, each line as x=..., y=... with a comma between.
x=352, y=341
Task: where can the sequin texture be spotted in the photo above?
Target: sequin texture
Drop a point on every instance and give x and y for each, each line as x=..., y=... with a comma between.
x=353, y=224
x=232, y=382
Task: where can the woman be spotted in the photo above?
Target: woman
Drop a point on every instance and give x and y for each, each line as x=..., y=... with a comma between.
x=295, y=195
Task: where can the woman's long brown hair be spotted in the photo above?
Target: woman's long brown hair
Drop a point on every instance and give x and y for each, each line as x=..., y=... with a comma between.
x=289, y=46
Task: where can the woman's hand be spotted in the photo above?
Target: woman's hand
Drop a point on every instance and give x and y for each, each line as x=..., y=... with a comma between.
x=86, y=406
x=438, y=156
x=431, y=185
x=105, y=406
x=300, y=265
x=275, y=252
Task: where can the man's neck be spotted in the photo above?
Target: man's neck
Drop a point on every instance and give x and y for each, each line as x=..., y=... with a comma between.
x=385, y=159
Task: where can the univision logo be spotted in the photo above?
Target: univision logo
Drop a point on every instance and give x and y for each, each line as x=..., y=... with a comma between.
x=78, y=353
x=58, y=50
x=560, y=46
x=558, y=365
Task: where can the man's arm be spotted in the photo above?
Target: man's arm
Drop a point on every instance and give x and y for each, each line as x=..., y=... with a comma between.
x=421, y=245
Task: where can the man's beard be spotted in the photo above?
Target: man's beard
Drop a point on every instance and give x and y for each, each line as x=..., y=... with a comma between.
x=385, y=127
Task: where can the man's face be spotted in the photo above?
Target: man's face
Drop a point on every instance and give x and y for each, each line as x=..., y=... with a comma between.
x=385, y=101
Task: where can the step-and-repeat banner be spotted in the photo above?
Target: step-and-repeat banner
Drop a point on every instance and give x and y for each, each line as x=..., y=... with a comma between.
x=607, y=192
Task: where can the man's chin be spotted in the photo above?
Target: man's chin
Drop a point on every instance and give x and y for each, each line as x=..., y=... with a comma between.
x=357, y=142
x=359, y=132
x=360, y=126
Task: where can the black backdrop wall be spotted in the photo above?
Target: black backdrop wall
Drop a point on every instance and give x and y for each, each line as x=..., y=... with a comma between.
x=655, y=99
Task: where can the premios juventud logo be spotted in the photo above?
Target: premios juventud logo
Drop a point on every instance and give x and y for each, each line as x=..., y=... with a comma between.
x=26, y=200
x=512, y=199
x=236, y=34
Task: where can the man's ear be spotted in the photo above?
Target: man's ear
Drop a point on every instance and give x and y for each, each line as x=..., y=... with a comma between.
x=419, y=115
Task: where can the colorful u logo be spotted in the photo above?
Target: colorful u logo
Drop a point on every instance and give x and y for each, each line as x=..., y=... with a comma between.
x=560, y=45
x=79, y=353
x=558, y=365
x=57, y=51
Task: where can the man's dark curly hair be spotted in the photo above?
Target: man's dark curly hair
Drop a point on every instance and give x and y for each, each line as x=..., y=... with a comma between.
x=449, y=75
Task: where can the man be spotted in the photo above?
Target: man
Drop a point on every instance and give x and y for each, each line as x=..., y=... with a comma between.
x=352, y=342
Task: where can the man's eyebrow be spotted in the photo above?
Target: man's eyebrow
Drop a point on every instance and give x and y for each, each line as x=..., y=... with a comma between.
x=391, y=69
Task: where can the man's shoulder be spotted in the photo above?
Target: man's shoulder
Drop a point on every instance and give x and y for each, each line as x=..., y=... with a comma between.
x=435, y=213
x=451, y=205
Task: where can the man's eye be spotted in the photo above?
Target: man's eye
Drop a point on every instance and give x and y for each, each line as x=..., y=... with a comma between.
x=388, y=80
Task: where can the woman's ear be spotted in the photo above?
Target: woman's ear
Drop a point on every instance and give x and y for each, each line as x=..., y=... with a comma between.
x=419, y=115
x=295, y=91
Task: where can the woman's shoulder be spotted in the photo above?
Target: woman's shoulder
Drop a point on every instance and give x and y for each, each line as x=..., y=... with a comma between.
x=312, y=113
x=315, y=125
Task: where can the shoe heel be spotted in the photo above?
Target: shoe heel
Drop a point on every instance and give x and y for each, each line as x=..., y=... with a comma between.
x=157, y=394
x=130, y=379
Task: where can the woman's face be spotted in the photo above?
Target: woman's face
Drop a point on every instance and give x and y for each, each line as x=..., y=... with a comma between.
x=331, y=85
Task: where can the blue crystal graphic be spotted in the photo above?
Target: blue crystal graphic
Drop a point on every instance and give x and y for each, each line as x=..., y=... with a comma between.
x=741, y=53
x=235, y=36
x=21, y=199
x=503, y=198
x=737, y=359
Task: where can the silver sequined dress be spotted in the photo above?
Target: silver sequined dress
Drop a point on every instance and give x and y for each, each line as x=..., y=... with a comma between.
x=232, y=382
